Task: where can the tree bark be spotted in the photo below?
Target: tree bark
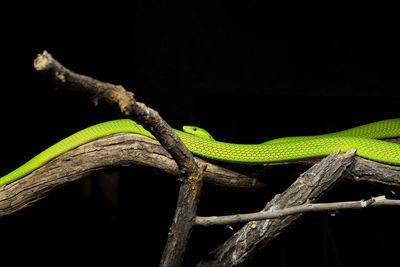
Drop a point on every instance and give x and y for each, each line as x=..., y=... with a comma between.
x=171, y=156
x=115, y=150
x=151, y=120
x=309, y=187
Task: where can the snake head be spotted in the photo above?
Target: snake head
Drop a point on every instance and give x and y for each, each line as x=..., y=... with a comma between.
x=197, y=131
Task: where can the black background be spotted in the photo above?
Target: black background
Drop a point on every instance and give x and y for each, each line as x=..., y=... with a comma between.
x=245, y=71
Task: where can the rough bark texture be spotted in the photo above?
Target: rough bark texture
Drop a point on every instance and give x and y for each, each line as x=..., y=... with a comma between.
x=114, y=150
x=124, y=149
x=310, y=186
x=127, y=149
x=371, y=171
x=182, y=224
x=151, y=120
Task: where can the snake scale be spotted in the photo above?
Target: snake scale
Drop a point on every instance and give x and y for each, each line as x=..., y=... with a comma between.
x=364, y=138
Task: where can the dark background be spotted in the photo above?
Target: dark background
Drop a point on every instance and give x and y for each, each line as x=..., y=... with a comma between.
x=246, y=72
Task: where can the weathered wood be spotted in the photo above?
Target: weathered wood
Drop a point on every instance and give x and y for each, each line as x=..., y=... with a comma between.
x=151, y=120
x=127, y=149
x=310, y=186
x=374, y=172
x=135, y=149
x=303, y=208
x=114, y=150
x=182, y=224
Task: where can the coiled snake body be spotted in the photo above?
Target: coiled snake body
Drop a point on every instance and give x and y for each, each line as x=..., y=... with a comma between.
x=363, y=138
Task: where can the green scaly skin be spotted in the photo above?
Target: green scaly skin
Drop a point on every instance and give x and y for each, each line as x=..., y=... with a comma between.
x=197, y=131
x=363, y=138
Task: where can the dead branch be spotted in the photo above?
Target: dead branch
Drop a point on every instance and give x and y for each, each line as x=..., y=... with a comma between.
x=303, y=208
x=364, y=170
x=122, y=149
x=119, y=149
x=189, y=193
x=309, y=187
x=116, y=94
x=127, y=149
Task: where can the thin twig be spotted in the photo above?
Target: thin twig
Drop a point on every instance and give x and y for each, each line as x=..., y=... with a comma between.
x=308, y=207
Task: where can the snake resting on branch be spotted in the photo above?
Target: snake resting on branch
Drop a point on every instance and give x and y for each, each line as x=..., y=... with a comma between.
x=365, y=139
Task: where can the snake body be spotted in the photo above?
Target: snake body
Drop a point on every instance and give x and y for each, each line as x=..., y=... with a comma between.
x=363, y=138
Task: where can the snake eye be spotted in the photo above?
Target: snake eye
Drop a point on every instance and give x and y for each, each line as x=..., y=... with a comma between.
x=194, y=129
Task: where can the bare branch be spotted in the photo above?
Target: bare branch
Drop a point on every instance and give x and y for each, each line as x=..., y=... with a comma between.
x=139, y=112
x=364, y=170
x=308, y=207
x=309, y=187
x=114, y=150
x=150, y=119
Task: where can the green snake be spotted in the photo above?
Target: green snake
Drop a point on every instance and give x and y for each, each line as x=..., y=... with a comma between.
x=364, y=138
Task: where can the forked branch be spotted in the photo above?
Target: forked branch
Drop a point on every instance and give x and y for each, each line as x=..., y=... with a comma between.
x=173, y=157
x=189, y=193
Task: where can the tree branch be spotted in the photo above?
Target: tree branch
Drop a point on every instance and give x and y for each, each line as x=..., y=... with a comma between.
x=189, y=193
x=308, y=207
x=114, y=150
x=139, y=112
x=122, y=149
x=364, y=170
x=127, y=149
x=309, y=187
